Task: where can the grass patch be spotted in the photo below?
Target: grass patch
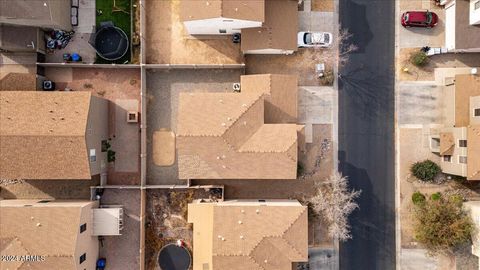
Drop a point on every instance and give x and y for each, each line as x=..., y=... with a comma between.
x=119, y=18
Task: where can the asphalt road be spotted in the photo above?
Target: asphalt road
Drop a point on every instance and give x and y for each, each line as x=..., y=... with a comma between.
x=366, y=132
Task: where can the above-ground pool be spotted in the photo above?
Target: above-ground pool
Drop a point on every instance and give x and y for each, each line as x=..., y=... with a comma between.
x=111, y=43
x=173, y=257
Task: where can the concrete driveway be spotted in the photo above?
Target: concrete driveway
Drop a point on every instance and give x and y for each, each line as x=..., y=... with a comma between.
x=412, y=259
x=420, y=103
x=419, y=37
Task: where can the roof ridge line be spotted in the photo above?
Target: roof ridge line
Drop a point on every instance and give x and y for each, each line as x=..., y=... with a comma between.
x=288, y=155
x=289, y=227
x=276, y=152
x=246, y=110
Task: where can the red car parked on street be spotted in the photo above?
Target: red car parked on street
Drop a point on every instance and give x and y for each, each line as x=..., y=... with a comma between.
x=425, y=19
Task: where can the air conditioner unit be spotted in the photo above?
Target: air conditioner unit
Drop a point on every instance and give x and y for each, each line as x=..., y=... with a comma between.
x=236, y=87
x=132, y=117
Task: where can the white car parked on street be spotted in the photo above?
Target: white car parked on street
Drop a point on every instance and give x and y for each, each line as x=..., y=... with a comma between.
x=314, y=39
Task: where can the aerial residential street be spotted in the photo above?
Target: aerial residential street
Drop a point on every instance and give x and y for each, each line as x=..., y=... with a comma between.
x=366, y=132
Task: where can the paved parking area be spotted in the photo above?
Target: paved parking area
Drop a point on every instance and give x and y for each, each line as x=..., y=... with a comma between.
x=167, y=41
x=315, y=104
x=419, y=37
x=122, y=251
x=420, y=103
x=163, y=88
x=315, y=21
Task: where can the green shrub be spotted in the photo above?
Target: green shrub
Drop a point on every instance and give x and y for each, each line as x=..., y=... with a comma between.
x=442, y=226
x=436, y=196
x=419, y=59
x=457, y=199
x=425, y=170
x=418, y=198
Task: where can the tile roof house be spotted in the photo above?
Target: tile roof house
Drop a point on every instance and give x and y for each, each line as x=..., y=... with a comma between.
x=462, y=25
x=51, y=230
x=213, y=17
x=49, y=14
x=247, y=135
x=267, y=26
x=458, y=142
x=254, y=235
x=278, y=34
x=52, y=135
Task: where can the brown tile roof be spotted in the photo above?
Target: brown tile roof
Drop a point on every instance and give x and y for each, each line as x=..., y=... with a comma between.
x=447, y=143
x=45, y=130
x=225, y=135
x=279, y=30
x=473, y=153
x=49, y=231
x=18, y=82
x=466, y=86
x=251, y=236
x=251, y=10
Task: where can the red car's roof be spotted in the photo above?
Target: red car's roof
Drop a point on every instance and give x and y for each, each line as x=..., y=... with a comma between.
x=417, y=16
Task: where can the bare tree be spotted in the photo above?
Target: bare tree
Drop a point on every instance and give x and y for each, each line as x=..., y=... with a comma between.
x=338, y=52
x=335, y=202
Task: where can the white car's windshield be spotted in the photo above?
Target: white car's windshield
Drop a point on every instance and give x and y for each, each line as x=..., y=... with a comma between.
x=307, y=38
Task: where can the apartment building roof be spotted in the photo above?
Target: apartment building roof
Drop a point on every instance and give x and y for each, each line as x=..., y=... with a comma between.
x=250, y=236
x=43, y=135
x=251, y=10
x=279, y=30
x=48, y=230
x=229, y=136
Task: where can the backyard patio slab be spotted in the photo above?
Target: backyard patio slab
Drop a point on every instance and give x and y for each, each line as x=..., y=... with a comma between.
x=122, y=251
x=126, y=142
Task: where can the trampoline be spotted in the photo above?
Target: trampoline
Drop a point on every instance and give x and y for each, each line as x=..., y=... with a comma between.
x=111, y=43
x=173, y=257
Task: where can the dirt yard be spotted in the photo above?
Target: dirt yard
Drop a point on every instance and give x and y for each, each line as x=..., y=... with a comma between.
x=426, y=73
x=122, y=252
x=166, y=219
x=114, y=85
x=301, y=63
x=167, y=41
